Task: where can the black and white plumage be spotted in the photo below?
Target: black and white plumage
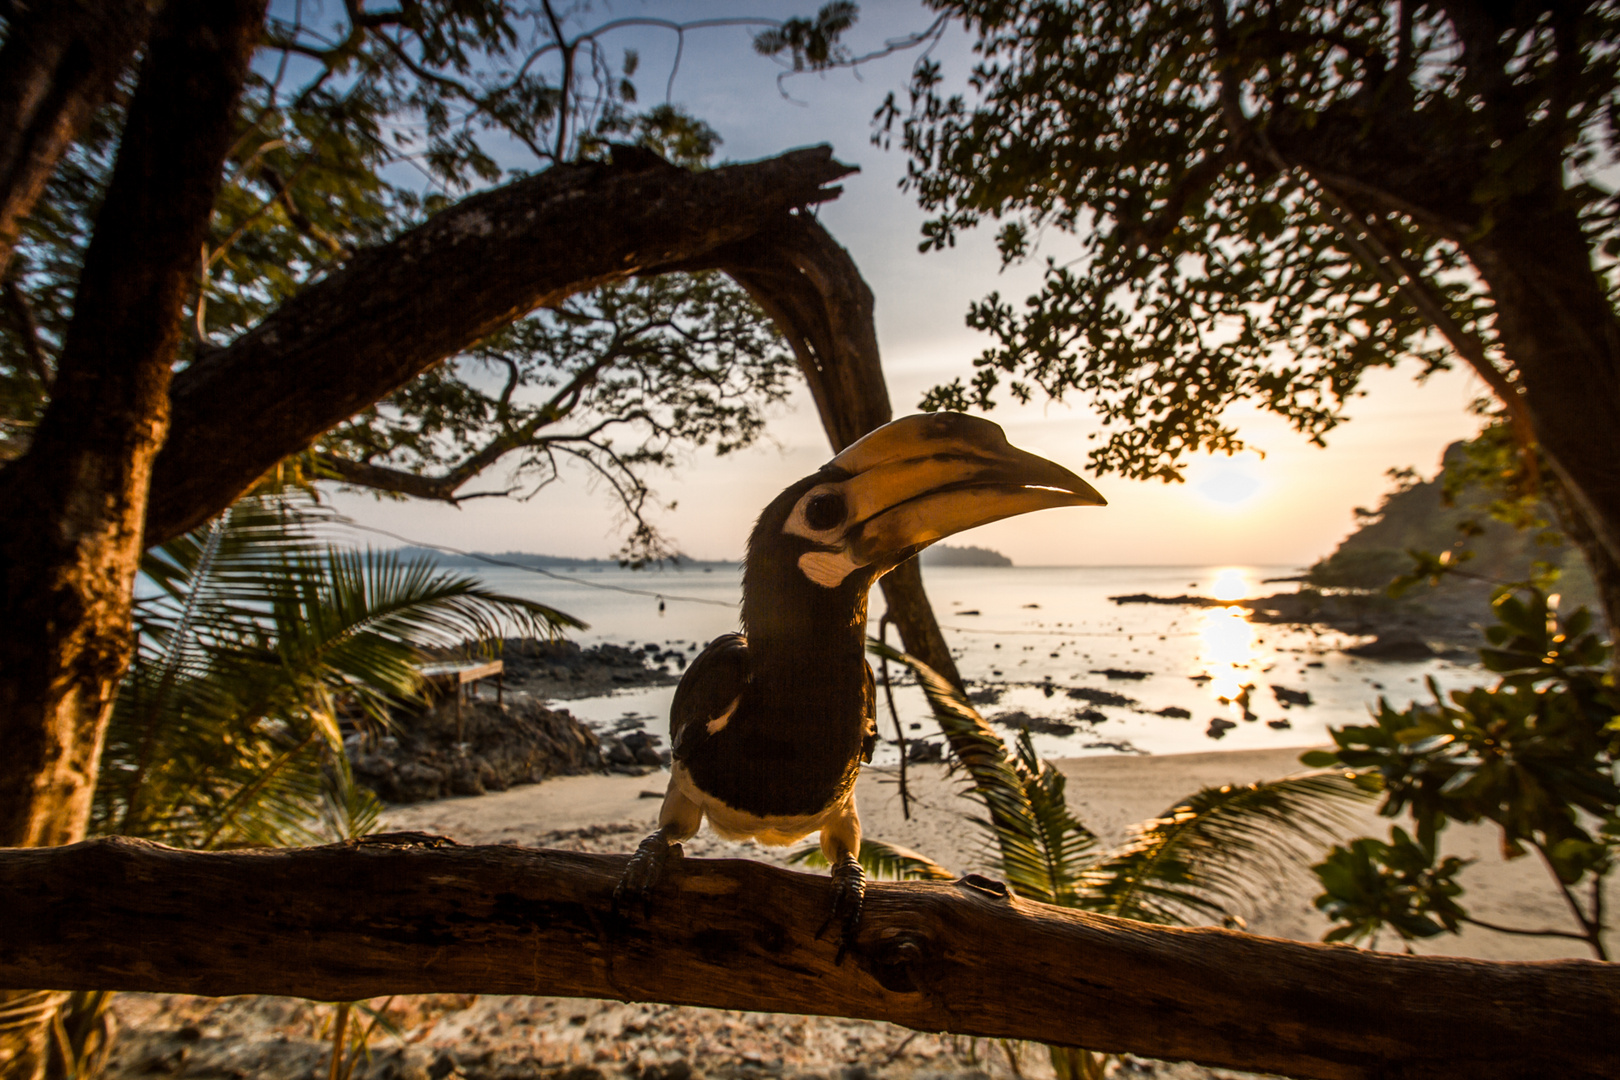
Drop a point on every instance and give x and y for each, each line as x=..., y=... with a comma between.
x=770, y=727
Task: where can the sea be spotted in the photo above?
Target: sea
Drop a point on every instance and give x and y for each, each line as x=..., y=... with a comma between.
x=1045, y=648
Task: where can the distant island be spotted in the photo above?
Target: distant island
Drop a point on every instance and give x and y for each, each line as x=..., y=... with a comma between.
x=945, y=555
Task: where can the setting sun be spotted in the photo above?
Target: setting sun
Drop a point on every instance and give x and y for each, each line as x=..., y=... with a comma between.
x=1231, y=483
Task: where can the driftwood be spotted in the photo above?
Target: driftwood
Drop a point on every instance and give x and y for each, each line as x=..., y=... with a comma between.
x=412, y=914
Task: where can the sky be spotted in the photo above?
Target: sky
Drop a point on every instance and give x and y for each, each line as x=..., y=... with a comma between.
x=1287, y=508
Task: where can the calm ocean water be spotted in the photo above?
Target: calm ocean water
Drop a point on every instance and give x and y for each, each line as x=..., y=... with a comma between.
x=1038, y=632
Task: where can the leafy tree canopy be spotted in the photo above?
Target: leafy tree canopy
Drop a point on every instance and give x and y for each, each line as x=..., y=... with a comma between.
x=358, y=124
x=1253, y=201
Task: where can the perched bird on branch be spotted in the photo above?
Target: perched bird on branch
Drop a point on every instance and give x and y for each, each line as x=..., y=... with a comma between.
x=769, y=727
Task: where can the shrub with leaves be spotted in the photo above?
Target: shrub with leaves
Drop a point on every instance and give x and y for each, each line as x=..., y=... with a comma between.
x=1536, y=755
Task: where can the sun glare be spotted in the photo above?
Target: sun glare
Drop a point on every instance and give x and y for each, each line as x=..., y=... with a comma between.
x=1230, y=584
x=1230, y=483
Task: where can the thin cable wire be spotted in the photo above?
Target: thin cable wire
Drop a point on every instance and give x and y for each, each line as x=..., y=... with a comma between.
x=1067, y=633
x=353, y=524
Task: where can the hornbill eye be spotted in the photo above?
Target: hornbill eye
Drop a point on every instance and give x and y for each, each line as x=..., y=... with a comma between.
x=825, y=511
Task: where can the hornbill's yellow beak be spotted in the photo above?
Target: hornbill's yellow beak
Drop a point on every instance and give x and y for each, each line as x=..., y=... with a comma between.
x=918, y=480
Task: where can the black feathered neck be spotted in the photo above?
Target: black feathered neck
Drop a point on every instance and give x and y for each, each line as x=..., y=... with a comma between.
x=784, y=613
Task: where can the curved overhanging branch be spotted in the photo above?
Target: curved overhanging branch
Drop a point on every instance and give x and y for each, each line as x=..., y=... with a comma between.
x=393, y=311
x=408, y=913
x=814, y=292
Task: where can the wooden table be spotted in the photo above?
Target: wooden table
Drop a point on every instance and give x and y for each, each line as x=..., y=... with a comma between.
x=457, y=674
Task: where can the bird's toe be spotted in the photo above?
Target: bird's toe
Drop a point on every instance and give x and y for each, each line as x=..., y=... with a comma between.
x=643, y=873
x=849, y=896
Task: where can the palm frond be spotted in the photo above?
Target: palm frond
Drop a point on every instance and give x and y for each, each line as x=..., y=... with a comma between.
x=254, y=637
x=1214, y=852
x=1041, y=844
x=880, y=860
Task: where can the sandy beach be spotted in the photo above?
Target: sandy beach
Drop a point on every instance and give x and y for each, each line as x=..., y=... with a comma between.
x=505, y=1038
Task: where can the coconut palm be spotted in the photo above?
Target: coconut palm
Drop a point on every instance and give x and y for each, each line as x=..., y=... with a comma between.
x=253, y=638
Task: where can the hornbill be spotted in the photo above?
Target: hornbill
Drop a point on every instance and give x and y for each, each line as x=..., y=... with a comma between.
x=769, y=727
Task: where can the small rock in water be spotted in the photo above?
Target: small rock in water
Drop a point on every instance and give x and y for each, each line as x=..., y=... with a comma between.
x=1287, y=698
x=1041, y=725
x=1279, y=725
x=1098, y=697
x=1218, y=728
x=1121, y=673
x=1174, y=712
x=924, y=752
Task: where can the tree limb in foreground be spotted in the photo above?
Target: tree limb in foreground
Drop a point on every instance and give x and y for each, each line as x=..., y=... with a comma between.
x=407, y=914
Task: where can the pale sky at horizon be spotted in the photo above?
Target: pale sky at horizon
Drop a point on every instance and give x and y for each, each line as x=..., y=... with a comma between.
x=1288, y=509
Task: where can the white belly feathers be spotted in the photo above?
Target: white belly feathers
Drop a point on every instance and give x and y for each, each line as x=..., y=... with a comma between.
x=838, y=820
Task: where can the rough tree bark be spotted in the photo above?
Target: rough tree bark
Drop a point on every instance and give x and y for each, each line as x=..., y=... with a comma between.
x=75, y=503
x=394, y=915
x=60, y=64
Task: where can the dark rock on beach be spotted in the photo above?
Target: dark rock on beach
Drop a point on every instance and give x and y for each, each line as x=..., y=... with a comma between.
x=1040, y=725
x=561, y=670
x=1287, y=698
x=520, y=742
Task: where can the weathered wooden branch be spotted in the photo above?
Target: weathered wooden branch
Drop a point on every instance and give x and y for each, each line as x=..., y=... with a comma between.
x=399, y=915
x=394, y=311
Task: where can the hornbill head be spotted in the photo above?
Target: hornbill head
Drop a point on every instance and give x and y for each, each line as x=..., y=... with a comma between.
x=902, y=487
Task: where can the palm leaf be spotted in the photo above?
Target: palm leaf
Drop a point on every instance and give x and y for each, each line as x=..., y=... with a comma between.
x=880, y=860
x=253, y=638
x=1214, y=852
x=1040, y=842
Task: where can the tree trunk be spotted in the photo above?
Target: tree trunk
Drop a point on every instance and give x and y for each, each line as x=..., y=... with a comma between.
x=76, y=501
x=59, y=66
x=1558, y=327
x=395, y=915
x=814, y=291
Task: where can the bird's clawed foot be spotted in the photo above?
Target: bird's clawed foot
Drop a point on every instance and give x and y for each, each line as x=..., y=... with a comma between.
x=644, y=871
x=849, y=894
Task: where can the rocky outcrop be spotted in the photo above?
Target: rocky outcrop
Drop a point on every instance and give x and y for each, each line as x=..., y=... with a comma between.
x=520, y=742
x=560, y=670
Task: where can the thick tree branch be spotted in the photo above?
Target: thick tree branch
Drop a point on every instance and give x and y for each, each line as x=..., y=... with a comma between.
x=393, y=311
x=396, y=915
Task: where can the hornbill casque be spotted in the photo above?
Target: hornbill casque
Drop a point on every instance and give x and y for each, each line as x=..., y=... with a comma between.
x=769, y=727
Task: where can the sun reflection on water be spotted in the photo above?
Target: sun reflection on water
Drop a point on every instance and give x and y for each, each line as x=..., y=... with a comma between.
x=1231, y=583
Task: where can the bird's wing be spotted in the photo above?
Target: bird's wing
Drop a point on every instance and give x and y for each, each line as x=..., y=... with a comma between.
x=708, y=692
x=869, y=710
